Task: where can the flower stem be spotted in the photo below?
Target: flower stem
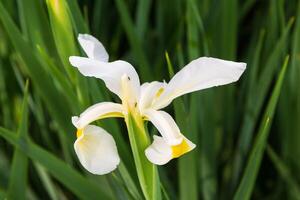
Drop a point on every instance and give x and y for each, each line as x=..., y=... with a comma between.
x=146, y=171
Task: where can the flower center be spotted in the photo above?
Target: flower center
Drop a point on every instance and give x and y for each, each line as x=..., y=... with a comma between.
x=128, y=94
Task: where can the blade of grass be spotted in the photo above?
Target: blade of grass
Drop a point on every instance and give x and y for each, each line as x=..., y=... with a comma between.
x=62, y=33
x=134, y=40
x=47, y=182
x=246, y=185
x=283, y=170
x=35, y=25
x=59, y=109
x=196, y=14
x=187, y=167
x=61, y=171
x=246, y=6
x=254, y=102
x=142, y=17
x=2, y=194
x=228, y=22
x=19, y=168
x=79, y=24
x=127, y=182
x=6, y=114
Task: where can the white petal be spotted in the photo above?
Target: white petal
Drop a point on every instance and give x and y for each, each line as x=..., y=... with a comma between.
x=97, y=150
x=165, y=125
x=160, y=152
x=200, y=74
x=150, y=92
x=93, y=47
x=96, y=112
x=111, y=73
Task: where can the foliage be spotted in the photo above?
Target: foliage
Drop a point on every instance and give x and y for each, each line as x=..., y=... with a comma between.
x=231, y=125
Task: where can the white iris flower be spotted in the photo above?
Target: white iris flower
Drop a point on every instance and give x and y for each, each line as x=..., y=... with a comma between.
x=95, y=148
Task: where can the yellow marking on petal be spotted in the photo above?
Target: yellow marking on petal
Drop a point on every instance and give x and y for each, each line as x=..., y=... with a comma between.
x=180, y=149
x=79, y=132
x=159, y=92
x=112, y=114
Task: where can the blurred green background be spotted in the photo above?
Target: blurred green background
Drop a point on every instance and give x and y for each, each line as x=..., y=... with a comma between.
x=248, y=143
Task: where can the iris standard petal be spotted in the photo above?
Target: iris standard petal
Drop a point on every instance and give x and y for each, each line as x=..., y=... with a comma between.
x=202, y=73
x=165, y=125
x=111, y=73
x=97, y=150
x=150, y=92
x=160, y=152
x=97, y=111
x=93, y=47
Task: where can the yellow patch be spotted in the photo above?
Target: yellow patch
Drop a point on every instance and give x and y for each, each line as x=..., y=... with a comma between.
x=79, y=132
x=112, y=114
x=180, y=149
x=159, y=92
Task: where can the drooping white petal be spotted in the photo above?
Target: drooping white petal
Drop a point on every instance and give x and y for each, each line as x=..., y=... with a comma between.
x=97, y=150
x=165, y=125
x=93, y=47
x=150, y=92
x=97, y=111
x=202, y=73
x=111, y=73
x=160, y=152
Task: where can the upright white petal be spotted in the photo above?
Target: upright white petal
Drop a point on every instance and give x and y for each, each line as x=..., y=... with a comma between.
x=165, y=125
x=160, y=152
x=111, y=73
x=150, y=92
x=97, y=150
x=93, y=47
x=97, y=111
x=200, y=74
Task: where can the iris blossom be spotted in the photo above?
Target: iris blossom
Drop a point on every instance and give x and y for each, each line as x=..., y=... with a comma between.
x=96, y=148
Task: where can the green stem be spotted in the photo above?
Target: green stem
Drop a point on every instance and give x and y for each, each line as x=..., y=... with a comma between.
x=146, y=171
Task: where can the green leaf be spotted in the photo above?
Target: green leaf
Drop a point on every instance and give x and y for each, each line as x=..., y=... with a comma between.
x=47, y=182
x=77, y=19
x=133, y=38
x=284, y=171
x=61, y=171
x=128, y=183
x=18, y=175
x=42, y=80
x=187, y=165
x=249, y=177
x=255, y=100
x=146, y=171
x=142, y=17
x=35, y=25
x=61, y=27
x=2, y=194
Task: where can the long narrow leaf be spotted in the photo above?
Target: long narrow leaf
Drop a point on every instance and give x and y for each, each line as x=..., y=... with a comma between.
x=79, y=185
x=247, y=183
